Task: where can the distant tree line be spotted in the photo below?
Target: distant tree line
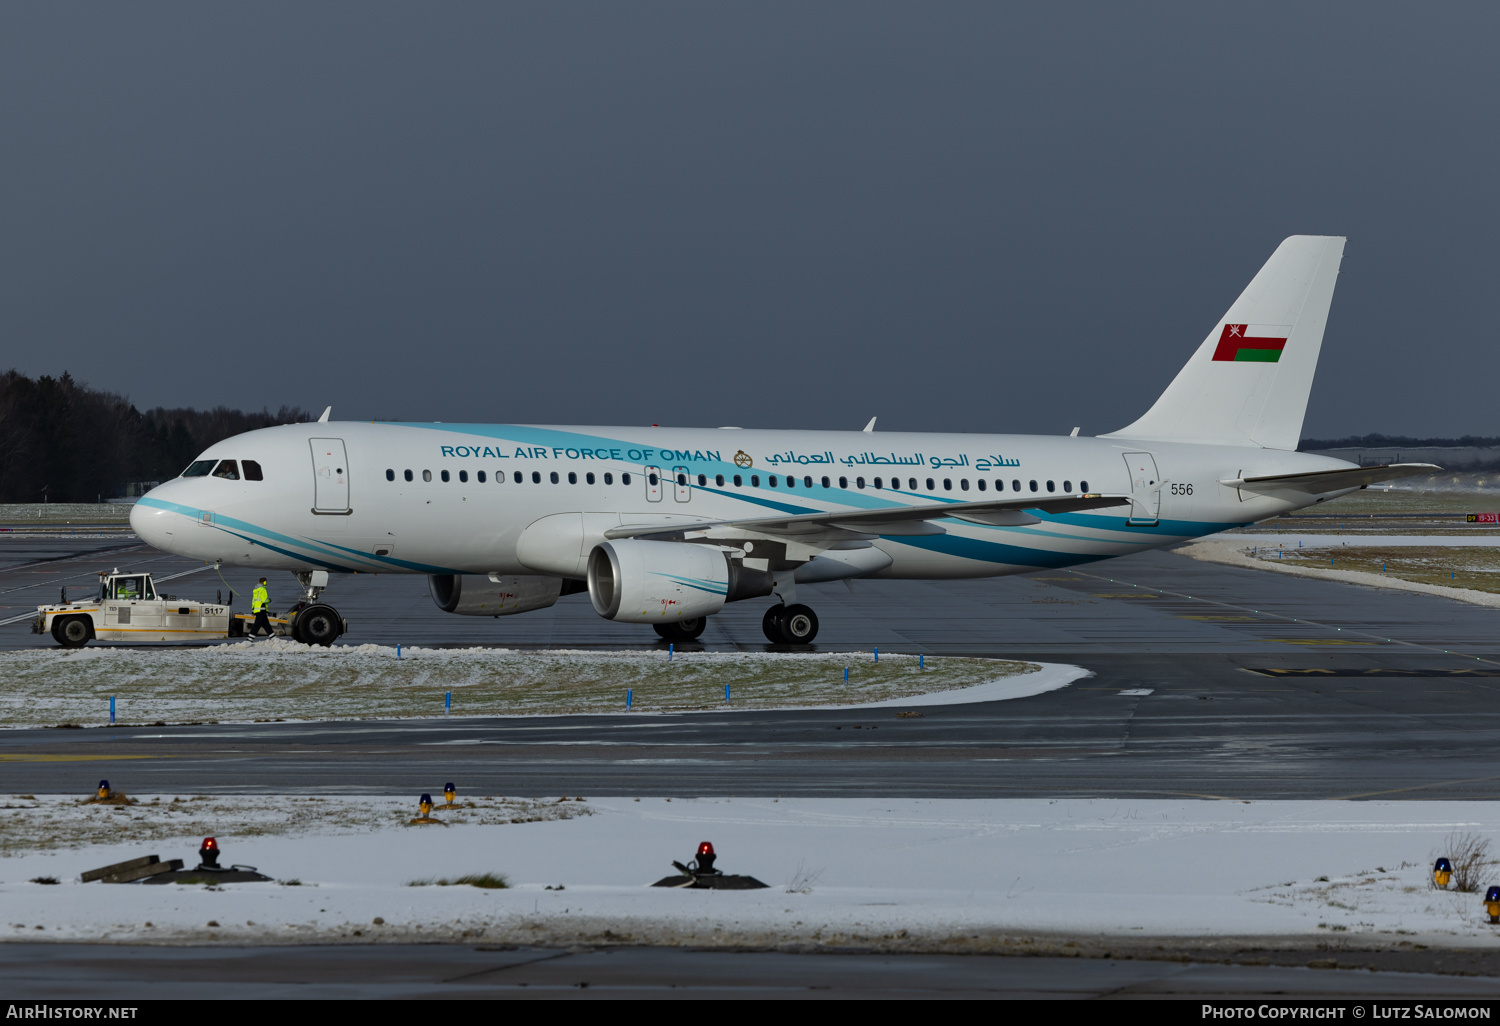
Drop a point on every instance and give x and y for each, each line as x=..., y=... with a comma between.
x=61, y=441
x=1397, y=441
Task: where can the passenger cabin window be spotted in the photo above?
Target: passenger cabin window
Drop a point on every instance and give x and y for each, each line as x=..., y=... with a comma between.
x=877, y=483
x=553, y=475
x=843, y=482
x=771, y=481
x=479, y=476
x=703, y=480
x=463, y=476
x=826, y=482
x=252, y=470
x=931, y=484
x=964, y=484
x=199, y=468
x=719, y=480
x=980, y=483
x=947, y=484
x=738, y=481
x=1083, y=486
x=651, y=479
x=445, y=476
x=624, y=479
x=609, y=479
x=1015, y=486
x=754, y=480
x=390, y=475
x=572, y=477
x=859, y=482
x=536, y=477
x=1051, y=487
x=791, y=482
x=229, y=470
x=426, y=475
x=1067, y=486
x=589, y=477
x=911, y=484
x=807, y=480
x=1033, y=486
x=407, y=475
x=518, y=478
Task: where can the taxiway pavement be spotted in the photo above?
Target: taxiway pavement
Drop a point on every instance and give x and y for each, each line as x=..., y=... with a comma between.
x=1207, y=680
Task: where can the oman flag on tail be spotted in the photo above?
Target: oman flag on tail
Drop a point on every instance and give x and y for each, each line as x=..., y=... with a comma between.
x=1252, y=343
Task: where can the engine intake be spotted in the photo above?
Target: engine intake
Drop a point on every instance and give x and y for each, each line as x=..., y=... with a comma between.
x=474, y=595
x=635, y=581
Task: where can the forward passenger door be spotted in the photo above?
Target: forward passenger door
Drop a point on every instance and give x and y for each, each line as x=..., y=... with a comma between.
x=330, y=476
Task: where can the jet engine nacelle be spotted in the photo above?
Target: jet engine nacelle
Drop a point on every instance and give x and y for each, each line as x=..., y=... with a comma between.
x=473, y=595
x=633, y=581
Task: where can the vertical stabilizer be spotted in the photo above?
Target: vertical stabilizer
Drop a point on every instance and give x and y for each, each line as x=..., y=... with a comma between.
x=1249, y=381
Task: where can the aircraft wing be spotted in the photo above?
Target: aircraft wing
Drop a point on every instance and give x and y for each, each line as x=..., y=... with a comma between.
x=894, y=519
x=1321, y=481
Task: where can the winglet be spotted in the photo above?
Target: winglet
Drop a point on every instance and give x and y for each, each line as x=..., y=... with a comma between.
x=326, y=411
x=870, y=427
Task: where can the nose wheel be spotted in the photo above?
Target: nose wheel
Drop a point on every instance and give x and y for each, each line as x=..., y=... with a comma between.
x=318, y=624
x=790, y=625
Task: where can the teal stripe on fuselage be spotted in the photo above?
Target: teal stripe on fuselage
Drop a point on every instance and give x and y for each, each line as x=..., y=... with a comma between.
x=224, y=524
x=998, y=552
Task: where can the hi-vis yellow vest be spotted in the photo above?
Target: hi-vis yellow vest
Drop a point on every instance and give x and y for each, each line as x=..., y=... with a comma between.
x=259, y=599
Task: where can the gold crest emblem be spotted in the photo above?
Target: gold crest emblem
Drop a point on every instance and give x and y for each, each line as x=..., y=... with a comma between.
x=742, y=459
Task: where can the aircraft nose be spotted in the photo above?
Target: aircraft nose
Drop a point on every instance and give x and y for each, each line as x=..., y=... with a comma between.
x=152, y=525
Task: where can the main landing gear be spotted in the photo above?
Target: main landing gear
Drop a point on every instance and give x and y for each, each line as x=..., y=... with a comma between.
x=686, y=629
x=790, y=625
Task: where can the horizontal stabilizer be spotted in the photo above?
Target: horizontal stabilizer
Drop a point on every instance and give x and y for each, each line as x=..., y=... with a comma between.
x=1320, y=481
x=893, y=519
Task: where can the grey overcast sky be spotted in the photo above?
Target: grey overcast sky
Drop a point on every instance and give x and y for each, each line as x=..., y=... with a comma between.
x=986, y=216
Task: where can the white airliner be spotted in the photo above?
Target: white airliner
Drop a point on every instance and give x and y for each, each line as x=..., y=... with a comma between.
x=664, y=526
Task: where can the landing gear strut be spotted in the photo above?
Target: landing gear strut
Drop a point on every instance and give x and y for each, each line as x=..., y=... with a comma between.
x=790, y=625
x=686, y=629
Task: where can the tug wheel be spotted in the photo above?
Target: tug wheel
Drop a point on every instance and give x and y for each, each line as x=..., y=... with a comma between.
x=73, y=631
x=317, y=625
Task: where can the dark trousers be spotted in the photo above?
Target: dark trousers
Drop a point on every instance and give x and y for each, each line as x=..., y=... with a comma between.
x=261, y=621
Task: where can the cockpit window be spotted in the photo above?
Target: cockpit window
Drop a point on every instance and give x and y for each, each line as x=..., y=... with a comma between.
x=199, y=468
x=252, y=470
x=229, y=470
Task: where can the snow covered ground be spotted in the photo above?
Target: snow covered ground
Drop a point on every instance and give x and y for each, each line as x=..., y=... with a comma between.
x=280, y=679
x=1233, y=553
x=963, y=875
x=1291, y=540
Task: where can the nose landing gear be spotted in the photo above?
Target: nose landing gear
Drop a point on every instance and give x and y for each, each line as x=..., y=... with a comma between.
x=314, y=622
x=790, y=625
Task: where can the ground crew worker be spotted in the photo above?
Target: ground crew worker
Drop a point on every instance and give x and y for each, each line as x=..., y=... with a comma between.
x=260, y=599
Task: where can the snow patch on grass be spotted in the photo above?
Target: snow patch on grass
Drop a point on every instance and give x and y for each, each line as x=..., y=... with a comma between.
x=885, y=873
x=280, y=679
